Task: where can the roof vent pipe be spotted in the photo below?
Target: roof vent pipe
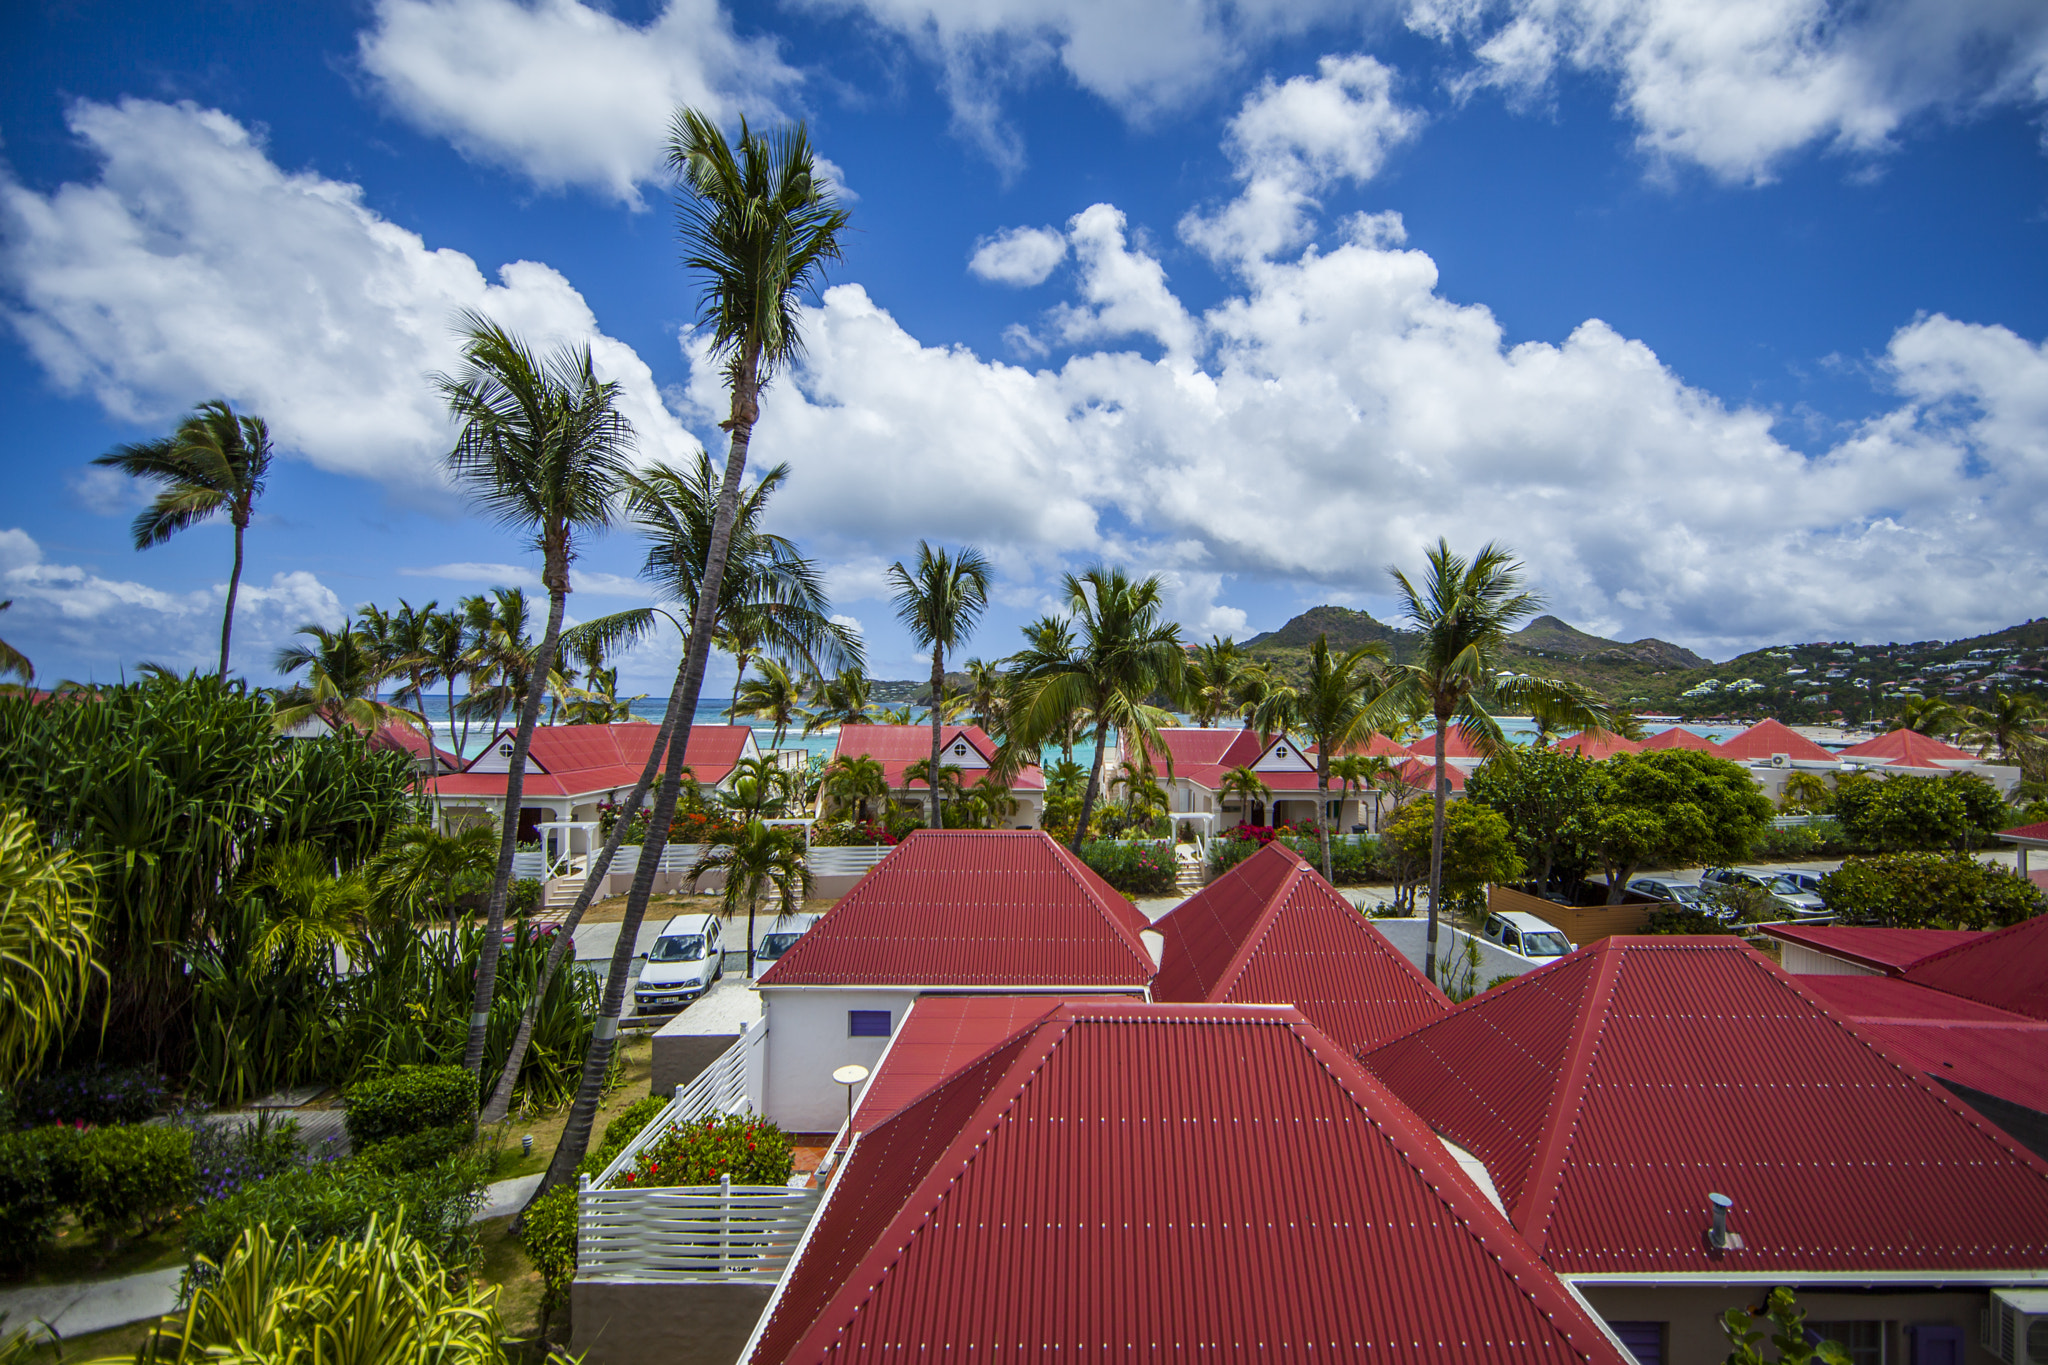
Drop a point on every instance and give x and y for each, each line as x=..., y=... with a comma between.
x=1718, y=1206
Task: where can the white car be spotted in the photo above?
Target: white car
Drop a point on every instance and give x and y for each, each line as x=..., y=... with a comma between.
x=1522, y=933
x=781, y=936
x=686, y=958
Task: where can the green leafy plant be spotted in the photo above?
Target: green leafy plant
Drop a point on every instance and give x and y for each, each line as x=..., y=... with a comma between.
x=47, y=961
x=1479, y=849
x=752, y=1150
x=35, y=1164
x=548, y=1233
x=1789, y=1341
x=344, y=1199
x=524, y=898
x=1685, y=919
x=227, y=1156
x=1928, y=891
x=414, y=1099
x=621, y=1131
x=419, y=1151
x=130, y=1175
x=1134, y=869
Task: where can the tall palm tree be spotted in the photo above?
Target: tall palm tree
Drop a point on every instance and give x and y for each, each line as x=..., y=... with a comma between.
x=775, y=697
x=758, y=860
x=1335, y=710
x=1049, y=637
x=987, y=695
x=543, y=447
x=759, y=224
x=1126, y=651
x=2009, y=724
x=841, y=700
x=343, y=671
x=1215, y=680
x=502, y=654
x=1269, y=702
x=13, y=660
x=941, y=599
x=448, y=658
x=214, y=462
x=1462, y=613
x=1362, y=772
x=403, y=640
x=1931, y=716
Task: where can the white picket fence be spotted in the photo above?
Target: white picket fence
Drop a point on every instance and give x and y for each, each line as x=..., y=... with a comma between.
x=692, y=1232
x=843, y=861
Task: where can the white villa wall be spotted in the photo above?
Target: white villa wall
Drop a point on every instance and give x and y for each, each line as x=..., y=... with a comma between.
x=1800, y=960
x=807, y=1042
x=1410, y=938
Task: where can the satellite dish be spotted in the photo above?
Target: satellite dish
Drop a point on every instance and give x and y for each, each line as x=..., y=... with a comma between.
x=852, y=1074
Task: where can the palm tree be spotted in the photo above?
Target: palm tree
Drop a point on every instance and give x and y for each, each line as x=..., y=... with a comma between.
x=947, y=787
x=48, y=958
x=543, y=447
x=403, y=639
x=501, y=654
x=214, y=462
x=1930, y=716
x=906, y=714
x=1049, y=637
x=308, y=912
x=775, y=696
x=13, y=660
x=759, y=224
x=1269, y=702
x=1247, y=786
x=940, y=600
x=2011, y=723
x=1126, y=652
x=987, y=695
x=1335, y=709
x=840, y=701
x=757, y=859
x=343, y=671
x=992, y=800
x=1215, y=680
x=1463, y=613
x=859, y=779
x=1805, y=791
x=1360, y=772
x=448, y=657
x=599, y=703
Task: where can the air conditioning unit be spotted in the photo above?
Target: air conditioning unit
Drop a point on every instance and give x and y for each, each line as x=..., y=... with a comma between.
x=2015, y=1327
x=1781, y=760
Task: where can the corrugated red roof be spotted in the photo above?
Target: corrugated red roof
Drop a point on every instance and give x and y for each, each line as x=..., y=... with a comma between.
x=1598, y=746
x=1678, y=737
x=1166, y=1182
x=1422, y=776
x=896, y=747
x=1272, y=931
x=1610, y=1092
x=593, y=760
x=1458, y=743
x=1887, y=950
x=1204, y=757
x=2007, y=968
x=985, y=909
x=1962, y=1042
x=2031, y=833
x=405, y=739
x=1909, y=748
x=1767, y=737
x=941, y=1035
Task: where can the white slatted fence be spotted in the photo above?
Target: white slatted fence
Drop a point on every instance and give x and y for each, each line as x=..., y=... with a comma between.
x=690, y=1232
x=843, y=860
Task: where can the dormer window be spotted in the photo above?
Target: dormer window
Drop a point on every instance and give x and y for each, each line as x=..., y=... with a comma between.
x=959, y=751
x=505, y=749
x=1279, y=751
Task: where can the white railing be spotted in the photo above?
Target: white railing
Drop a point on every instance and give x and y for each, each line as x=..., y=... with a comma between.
x=529, y=864
x=1795, y=821
x=679, y=857
x=690, y=1232
x=843, y=860
x=721, y=1088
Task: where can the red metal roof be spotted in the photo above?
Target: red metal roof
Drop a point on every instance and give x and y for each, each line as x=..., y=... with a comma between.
x=896, y=747
x=1908, y=748
x=1610, y=1092
x=1166, y=1182
x=1768, y=737
x=1204, y=756
x=1458, y=743
x=405, y=739
x=2029, y=833
x=1952, y=1039
x=2007, y=968
x=985, y=909
x=1421, y=776
x=1272, y=931
x=1598, y=746
x=1678, y=737
x=1887, y=950
x=939, y=1036
x=593, y=760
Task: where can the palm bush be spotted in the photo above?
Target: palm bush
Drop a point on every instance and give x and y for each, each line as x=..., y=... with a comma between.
x=46, y=945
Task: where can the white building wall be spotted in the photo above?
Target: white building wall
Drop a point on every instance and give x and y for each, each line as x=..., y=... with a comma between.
x=1800, y=960
x=808, y=1041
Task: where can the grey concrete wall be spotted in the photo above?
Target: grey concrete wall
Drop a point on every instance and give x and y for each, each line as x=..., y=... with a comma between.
x=1693, y=1334
x=679, y=1057
x=1410, y=938
x=649, y=1322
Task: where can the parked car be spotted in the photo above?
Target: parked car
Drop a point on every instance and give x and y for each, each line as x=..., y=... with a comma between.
x=687, y=957
x=1521, y=932
x=781, y=936
x=1800, y=877
x=1665, y=889
x=1794, y=898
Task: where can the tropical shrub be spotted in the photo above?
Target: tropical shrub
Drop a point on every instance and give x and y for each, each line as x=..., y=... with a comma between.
x=420, y=1151
x=414, y=1099
x=548, y=1233
x=1672, y=808
x=1903, y=814
x=1686, y=919
x=1134, y=869
x=34, y=1168
x=377, y=1293
x=1350, y=863
x=849, y=834
x=1822, y=838
x=344, y=1199
x=1479, y=849
x=621, y=1131
x=227, y=1156
x=752, y=1150
x=1928, y=891
x=46, y=944
x=130, y=1175
x=523, y=897
x=92, y=1095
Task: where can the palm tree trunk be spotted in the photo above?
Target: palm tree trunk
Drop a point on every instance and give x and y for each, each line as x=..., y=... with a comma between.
x=1323, y=803
x=931, y=776
x=597, y=1061
x=1436, y=853
x=753, y=900
x=732, y=710
x=1094, y=784
x=459, y=744
x=508, y=839
x=227, y=616
x=500, y=1103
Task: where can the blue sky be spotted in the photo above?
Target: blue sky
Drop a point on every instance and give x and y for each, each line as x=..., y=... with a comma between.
x=1728, y=319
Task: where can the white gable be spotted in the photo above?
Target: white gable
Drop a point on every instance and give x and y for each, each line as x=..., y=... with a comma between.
x=1283, y=755
x=497, y=757
x=960, y=753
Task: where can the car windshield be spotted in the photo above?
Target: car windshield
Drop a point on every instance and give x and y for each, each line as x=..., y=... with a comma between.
x=1686, y=895
x=1536, y=944
x=678, y=948
x=775, y=945
x=1785, y=886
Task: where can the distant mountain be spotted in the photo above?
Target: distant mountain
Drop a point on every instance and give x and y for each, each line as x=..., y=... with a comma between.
x=1547, y=635
x=1346, y=628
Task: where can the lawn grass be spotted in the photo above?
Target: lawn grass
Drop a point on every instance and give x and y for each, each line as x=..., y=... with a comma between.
x=114, y=1342
x=637, y=1078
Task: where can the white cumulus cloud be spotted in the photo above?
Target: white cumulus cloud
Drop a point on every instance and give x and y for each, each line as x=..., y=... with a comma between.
x=1737, y=86
x=195, y=267
x=591, y=581
x=1021, y=256
x=563, y=92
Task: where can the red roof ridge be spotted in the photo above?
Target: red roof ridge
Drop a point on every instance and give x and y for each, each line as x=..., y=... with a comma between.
x=1548, y=1167
x=1269, y=913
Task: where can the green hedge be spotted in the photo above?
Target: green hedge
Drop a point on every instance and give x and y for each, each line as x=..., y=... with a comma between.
x=1928, y=891
x=419, y=1151
x=409, y=1101
x=33, y=1164
x=548, y=1232
x=339, y=1199
x=130, y=1175
x=1134, y=869
x=621, y=1131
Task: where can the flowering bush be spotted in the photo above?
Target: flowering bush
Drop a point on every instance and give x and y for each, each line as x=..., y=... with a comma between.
x=848, y=834
x=700, y=827
x=751, y=1150
x=227, y=1156
x=1134, y=869
x=608, y=820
